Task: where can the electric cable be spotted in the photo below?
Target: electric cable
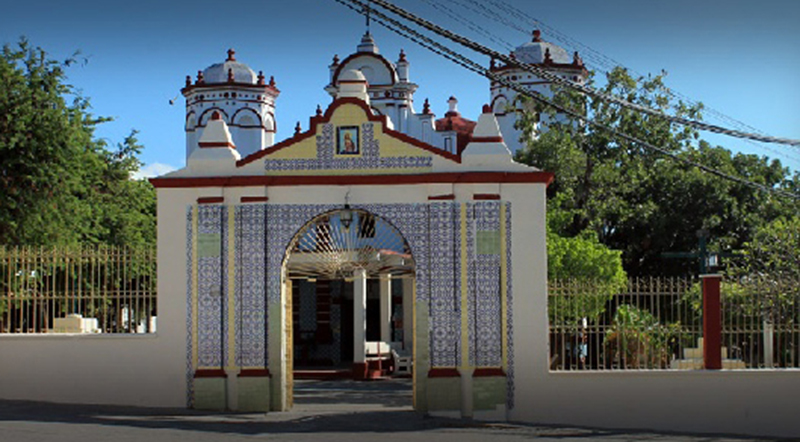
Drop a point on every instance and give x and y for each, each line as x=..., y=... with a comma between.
x=565, y=82
x=426, y=42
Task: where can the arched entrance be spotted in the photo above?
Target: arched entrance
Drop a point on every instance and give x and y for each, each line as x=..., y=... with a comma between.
x=348, y=299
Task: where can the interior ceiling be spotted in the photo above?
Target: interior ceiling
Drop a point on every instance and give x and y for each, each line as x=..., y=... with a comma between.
x=328, y=248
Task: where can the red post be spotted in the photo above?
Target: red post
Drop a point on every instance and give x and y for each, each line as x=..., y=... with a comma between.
x=712, y=323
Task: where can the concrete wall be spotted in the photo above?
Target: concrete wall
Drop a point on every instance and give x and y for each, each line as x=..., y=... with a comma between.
x=143, y=370
x=756, y=402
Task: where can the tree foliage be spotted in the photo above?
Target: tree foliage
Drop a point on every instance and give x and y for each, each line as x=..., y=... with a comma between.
x=59, y=185
x=642, y=202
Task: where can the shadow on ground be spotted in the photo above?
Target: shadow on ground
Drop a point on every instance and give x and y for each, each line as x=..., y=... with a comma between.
x=326, y=407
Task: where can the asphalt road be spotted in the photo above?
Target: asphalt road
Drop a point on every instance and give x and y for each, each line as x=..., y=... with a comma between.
x=324, y=411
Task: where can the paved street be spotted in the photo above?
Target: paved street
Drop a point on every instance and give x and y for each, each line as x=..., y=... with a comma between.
x=324, y=411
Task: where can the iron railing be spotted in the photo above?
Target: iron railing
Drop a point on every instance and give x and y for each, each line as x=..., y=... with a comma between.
x=77, y=290
x=657, y=324
x=761, y=320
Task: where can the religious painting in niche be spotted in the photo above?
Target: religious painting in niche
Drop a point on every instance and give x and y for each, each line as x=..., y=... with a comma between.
x=347, y=140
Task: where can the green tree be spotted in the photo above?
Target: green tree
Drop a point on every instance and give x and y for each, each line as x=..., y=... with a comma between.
x=641, y=202
x=584, y=275
x=58, y=184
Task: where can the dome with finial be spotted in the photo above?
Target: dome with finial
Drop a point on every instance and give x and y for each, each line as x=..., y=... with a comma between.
x=229, y=69
x=535, y=51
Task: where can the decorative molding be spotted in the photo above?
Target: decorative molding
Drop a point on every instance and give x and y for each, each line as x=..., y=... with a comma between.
x=210, y=373
x=211, y=200
x=326, y=118
x=482, y=372
x=443, y=373
x=355, y=180
x=253, y=199
x=447, y=197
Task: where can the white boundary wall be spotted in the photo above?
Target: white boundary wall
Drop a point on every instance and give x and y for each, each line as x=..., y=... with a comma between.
x=755, y=402
x=141, y=370
x=121, y=369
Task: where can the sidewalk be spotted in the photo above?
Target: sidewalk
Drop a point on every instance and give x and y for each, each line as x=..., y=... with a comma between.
x=324, y=411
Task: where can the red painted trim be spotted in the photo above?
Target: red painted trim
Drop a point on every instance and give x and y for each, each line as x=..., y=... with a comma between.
x=443, y=373
x=253, y=199
x=254, y=373
x=712, y=323
x=210, y=373
x=247, y=110
x=485, y=372
x=346, y=180
x=210, y=145
x=314, y=121
x=450, y=196
x=486, y=140
x=386, y=62
x=485, y=196
x=210, y=200
x=202, y=121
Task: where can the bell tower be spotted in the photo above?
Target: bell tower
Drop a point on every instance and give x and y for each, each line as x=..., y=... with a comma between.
x=244, y=100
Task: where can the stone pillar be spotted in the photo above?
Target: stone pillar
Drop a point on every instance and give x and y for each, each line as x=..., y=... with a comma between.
x=359, y=323
x=386, y=307
x=712, y=324
x=408, y=312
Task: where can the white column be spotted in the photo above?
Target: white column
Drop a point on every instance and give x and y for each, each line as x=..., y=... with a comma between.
x=386, y=307
x=408, y=312
x=359, y=315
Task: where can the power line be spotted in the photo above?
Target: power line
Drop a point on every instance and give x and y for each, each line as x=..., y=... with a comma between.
x=606, y=63
x=424, y=41
x=565, y=82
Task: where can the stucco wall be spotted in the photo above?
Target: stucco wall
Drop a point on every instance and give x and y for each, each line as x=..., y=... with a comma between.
x=762, y=402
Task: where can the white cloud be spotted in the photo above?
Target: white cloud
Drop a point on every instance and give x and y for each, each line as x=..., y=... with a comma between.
x=152, y=170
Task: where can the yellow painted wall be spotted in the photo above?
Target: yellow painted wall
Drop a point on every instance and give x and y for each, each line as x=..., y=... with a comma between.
x=351, y=115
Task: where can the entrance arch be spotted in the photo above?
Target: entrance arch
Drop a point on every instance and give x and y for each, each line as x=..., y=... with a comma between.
x=348, y=297
x=242, y=260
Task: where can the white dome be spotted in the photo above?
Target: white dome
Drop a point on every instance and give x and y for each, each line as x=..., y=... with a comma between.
x=534, y=52
x=218, y=73
x=351, y=75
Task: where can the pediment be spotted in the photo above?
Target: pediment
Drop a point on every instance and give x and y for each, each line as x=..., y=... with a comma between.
x=349, y=139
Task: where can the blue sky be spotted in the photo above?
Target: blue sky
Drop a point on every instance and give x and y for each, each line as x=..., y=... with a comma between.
x=738, y=57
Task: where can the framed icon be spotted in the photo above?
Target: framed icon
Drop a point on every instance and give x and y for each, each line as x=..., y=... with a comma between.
x=347, y=140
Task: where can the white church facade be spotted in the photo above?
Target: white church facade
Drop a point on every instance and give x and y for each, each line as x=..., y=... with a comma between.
x=372, y=229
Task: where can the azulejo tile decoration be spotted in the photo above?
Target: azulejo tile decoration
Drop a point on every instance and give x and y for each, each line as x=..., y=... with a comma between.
x=263, y=234
x=509, y=310
x=250, y=287
x=485, y=273
x=370, y=157
x=445, y=284
x=211, y=285
x=189, y=318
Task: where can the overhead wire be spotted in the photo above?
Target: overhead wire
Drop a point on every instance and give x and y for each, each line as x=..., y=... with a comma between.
x=362, y=7
x=573, y=85
x=605, y=63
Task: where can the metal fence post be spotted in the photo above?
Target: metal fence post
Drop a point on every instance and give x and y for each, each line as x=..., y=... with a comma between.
x=712, y=323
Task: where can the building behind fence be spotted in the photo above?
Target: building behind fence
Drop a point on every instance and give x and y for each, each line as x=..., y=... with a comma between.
x=77, y=289
x=657, y=324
